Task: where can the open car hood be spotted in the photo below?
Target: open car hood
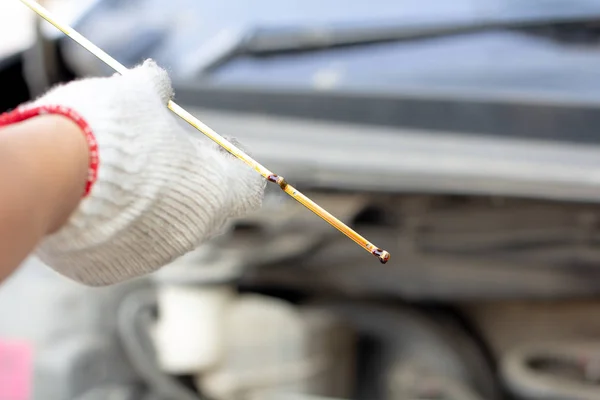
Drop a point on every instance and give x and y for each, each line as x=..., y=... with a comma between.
x=343, y=156
x=502, y=112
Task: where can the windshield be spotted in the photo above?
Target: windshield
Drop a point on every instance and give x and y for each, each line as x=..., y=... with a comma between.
x=191, y=36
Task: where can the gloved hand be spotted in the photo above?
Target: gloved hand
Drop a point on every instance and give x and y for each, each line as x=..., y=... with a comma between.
x=160, y=192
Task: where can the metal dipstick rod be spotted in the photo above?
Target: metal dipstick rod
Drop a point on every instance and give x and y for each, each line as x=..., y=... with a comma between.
x=382, y=255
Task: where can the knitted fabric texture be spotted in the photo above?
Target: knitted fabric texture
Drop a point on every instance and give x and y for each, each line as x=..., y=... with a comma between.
x=160, y=192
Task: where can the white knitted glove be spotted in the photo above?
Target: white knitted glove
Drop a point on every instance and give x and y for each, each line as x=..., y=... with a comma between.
x=160, y=192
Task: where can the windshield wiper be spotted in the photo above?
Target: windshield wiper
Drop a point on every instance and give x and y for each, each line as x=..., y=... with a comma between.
x=265, y=41
x=270, y=40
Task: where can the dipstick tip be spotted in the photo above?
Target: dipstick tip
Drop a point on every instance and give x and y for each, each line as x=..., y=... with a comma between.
x=383, y=255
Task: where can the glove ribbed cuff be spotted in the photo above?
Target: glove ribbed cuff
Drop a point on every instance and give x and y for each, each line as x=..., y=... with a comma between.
x=24, y=113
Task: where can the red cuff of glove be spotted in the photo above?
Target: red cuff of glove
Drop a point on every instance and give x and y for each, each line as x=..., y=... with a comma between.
x=23, y=113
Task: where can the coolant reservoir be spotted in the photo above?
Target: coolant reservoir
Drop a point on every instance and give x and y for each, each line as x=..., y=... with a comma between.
x=275, y=348
x=193, y=296
x=188, y=336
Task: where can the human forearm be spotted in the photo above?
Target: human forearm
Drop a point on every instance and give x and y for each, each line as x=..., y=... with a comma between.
x=43, y=170
x=152, y=191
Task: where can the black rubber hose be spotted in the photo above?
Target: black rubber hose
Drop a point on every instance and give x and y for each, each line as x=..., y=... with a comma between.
x=135, y=315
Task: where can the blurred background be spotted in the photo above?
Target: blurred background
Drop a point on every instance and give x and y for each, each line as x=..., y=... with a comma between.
x=463, y=136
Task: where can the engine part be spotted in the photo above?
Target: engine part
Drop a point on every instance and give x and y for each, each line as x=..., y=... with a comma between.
x=412, y=382
x=458, y=248
x=274, y=348
x=113, y=392
x=266, y=346
x=188, y=335
x=509, y=325
x=82, y=365
x=554, y=371
x=134, y=324
x=400, y=343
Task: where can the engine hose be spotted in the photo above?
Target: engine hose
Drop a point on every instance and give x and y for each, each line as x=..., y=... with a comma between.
x=526, y=381
x=134, y=318
x=412, y=347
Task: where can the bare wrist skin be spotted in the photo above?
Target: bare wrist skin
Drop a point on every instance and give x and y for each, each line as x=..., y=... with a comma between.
x=43, y=171
x=65, y=182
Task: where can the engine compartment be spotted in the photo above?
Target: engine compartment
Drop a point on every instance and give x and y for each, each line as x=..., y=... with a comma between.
x=485, y=193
